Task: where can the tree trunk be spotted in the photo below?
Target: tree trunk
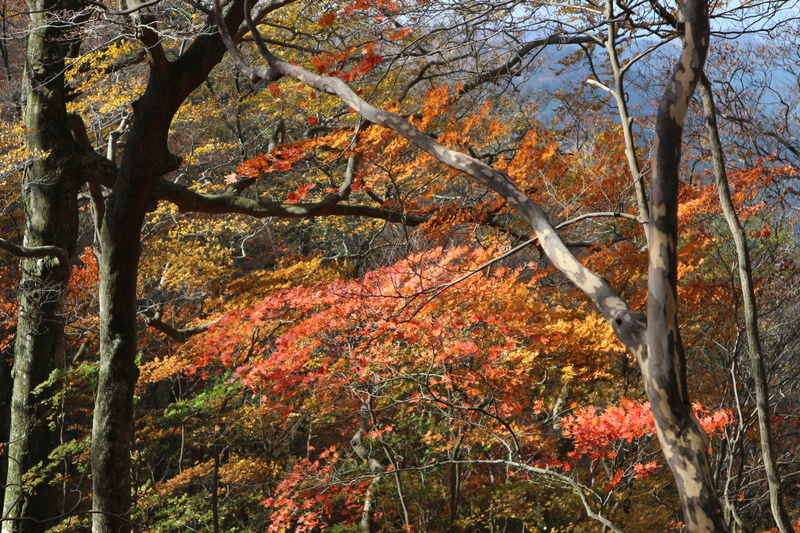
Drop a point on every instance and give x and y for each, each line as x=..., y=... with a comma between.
x=6, y=384
x=683, y=441
x=782, y=519
x=50, y=189
x=145, y=160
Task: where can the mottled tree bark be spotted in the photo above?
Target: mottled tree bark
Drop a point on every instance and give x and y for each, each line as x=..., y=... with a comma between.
x=683, y=441
x=50, y=189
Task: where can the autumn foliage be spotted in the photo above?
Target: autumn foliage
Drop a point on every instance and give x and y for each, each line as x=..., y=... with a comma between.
x=421, y=366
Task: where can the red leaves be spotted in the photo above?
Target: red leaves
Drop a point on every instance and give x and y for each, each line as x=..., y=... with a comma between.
x=274, y=90
x=712, y=422
x=594, y=433
x=306, y=497
x=323, y=62
x=370, y=61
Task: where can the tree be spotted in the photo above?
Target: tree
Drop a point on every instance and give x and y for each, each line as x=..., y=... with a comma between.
x=659, y=352
x=179, y=54
x=50, y=194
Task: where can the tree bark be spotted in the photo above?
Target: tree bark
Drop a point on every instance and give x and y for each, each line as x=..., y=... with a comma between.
x=50, y=187
x=145, y=160
x=760, y=379
x=683, y=441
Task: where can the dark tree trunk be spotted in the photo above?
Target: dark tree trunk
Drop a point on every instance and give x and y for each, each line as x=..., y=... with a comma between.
x=145, y=160
x=50, y=190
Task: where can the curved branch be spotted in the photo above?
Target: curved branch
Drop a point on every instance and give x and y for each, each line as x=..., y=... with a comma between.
x=60, y=254
x=628, y=325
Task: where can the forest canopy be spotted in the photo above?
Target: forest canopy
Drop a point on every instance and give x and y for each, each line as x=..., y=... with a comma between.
x=378, y=266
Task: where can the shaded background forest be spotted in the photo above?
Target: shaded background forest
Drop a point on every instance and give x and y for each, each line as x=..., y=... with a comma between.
x=416, y=365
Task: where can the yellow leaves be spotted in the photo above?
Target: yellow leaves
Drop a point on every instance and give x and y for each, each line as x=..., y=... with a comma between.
x=190, y=262
x=254, y=287
x=524, y=358
x=209, y=149
x=242, y=470
x=14, y=152
x=106, y=94
x=568, y=373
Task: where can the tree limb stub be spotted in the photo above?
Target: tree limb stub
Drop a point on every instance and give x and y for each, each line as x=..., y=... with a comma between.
x=60, y=254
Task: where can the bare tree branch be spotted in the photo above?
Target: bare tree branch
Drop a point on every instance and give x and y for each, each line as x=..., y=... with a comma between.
x=153, y=318
x=36, y=251
x=628, y=325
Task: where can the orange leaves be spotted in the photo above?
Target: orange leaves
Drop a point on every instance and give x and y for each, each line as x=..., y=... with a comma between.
x=363, y=5
x=400, y=34
x=280, y=160
x=715, y=422
x=300, y=194
x=327, y=19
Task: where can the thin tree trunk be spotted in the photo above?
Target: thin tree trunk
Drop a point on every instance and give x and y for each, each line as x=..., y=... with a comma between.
x=750, y=312
x=620, y=97
x=50, y=189
x=6, y=384
x=365, y=453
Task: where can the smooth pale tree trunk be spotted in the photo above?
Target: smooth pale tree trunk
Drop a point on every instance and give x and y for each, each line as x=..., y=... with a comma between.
x=50, y=187
x=759, y=373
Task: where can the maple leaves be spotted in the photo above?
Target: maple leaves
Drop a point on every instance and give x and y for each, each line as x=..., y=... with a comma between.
x=307, y=496
x=319, y=318
x=279, y=161
x=304, y=348
x=594, y=433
